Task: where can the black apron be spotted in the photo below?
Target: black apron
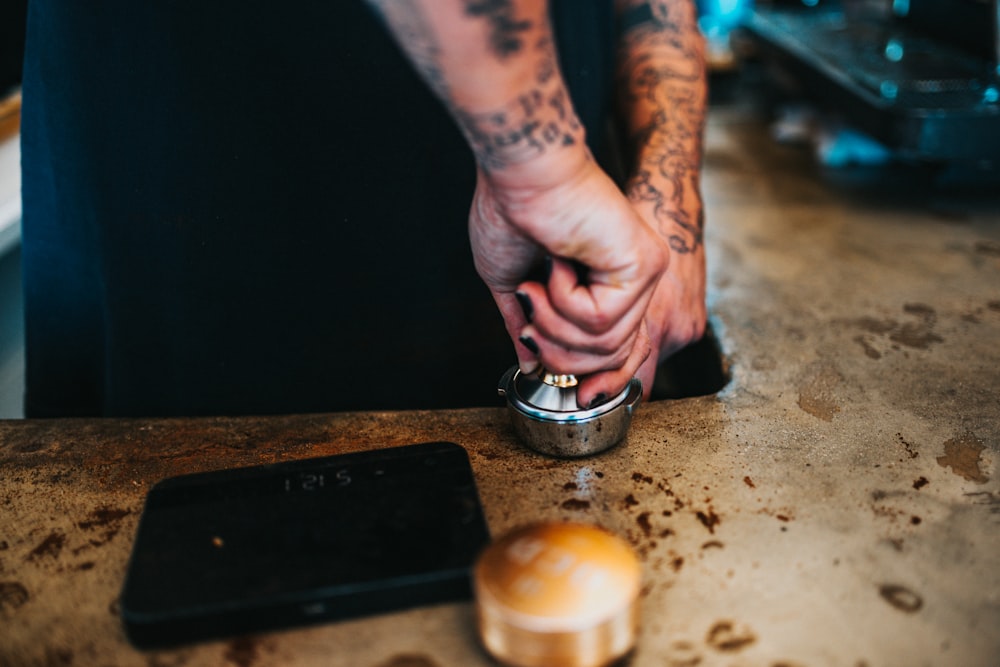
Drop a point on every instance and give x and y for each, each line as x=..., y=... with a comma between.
x=254, y=207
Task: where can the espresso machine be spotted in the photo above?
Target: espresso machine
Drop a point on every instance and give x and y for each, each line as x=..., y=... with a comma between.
x=920, y=76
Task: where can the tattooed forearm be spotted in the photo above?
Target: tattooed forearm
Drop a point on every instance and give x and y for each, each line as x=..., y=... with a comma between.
x=662, y=76
x=538, y=120
x=505, y=93
x=506, y=30
x=417, y=37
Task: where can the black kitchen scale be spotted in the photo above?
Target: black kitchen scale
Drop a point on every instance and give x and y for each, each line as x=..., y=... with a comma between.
x=239, y=551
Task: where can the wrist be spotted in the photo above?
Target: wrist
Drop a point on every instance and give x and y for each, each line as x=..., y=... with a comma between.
x=530, y=172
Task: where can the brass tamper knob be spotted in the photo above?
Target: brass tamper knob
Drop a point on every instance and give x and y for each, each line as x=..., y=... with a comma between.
x=558, y=595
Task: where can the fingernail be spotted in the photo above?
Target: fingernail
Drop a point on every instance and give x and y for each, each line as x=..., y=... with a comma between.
x=526, y=305
x=597, y=400
x=529, y=343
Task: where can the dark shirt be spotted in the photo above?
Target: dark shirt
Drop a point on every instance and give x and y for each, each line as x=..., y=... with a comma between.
x=254, y=207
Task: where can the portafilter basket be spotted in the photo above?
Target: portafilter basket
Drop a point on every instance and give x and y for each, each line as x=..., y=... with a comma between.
x=546, y=417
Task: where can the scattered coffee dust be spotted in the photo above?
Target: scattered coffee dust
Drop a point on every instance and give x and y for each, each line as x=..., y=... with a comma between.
x=988, y=248
x=709, y=519
x=12, y=595
x=57, y=656
x=921, y=310
x=912, y=453
x=725, y=636
x=409, y=660
x=50, y=546
x=570, y=486
x=870, y=351
x=639, y=477
x=962, y=455
x=102, y=517
x=683, y=654
x=644, y=523
x=106, y=521
x=917, y=335
x=630, y=501
x=874, y=326
x=242, y=652
x=575, y=504
x=920, y=483
x=669, y=493
x=749, y=482
x=901, y=598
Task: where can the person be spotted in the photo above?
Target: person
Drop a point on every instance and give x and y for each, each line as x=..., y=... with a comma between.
x=240, y=208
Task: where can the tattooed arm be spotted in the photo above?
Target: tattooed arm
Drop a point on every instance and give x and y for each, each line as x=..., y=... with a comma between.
x=662, y=88
x=539, y=193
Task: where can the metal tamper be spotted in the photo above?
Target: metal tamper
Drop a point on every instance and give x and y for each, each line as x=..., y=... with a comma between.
x=546, y=417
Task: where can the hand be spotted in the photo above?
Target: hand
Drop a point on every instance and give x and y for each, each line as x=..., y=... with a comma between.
x=591, y=323
x=677, y=315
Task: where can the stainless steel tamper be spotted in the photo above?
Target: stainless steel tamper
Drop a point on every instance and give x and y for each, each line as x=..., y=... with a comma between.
x=546, y=417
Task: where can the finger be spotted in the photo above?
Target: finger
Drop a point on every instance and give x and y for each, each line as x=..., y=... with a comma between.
x=595, y=389
x=558, y=359
x=551, y=326
x=592, y=306
x=515, y=320
x=647, y=374
x=602, y=299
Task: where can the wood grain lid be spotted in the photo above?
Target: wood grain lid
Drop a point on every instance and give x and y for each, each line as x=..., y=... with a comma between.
x=558, y=595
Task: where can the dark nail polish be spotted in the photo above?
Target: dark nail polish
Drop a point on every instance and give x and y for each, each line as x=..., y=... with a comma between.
x=529, y=343
x=526, y=305
x=597, y=400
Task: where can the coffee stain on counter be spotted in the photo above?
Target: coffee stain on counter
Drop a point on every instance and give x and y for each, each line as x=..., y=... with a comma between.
x=916, y=333
x=106, y=522
x=963, y=454
x=50, y=547
x=575, y=505
x=817, y=392
x=241, y=651
x=13, y=595
x=728, y=637
x=709, y=519
x=901, y=598
x=408, y=660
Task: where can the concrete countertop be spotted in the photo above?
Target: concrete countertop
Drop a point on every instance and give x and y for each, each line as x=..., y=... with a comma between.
x=836, y=504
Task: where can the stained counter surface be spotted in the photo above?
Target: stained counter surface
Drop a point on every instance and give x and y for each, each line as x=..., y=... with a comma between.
x=837, y=503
